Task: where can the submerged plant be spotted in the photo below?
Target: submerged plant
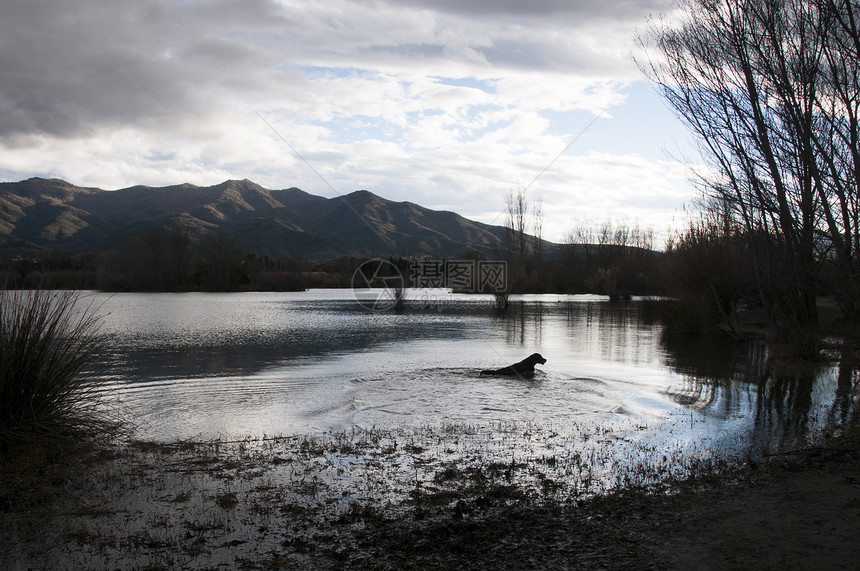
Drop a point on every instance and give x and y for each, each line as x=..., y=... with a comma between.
x=49, y=342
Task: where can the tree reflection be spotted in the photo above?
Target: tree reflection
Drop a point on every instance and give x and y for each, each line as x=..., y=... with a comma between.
x=847, y=390
x=786, y=400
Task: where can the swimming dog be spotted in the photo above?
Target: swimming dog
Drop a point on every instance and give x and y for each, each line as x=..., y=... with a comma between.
x=524, y=367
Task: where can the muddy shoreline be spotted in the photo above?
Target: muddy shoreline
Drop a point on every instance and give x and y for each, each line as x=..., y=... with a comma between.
x=372, y=501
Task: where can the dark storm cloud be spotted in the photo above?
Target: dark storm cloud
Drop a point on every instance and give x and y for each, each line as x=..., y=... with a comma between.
x=68, y=68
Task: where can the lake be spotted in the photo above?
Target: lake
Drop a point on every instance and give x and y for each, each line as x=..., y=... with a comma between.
x=201, y=365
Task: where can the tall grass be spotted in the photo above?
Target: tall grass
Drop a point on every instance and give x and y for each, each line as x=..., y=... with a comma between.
x=49, y=341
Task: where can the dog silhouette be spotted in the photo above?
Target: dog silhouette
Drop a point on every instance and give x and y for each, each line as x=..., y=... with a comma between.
x=524, y=367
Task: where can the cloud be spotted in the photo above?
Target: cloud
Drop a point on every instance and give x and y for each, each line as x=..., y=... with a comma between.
x=446, y=103
x=582, y=10
x=69, y=70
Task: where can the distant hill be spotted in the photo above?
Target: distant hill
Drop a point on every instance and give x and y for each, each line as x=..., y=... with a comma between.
x=49, y=214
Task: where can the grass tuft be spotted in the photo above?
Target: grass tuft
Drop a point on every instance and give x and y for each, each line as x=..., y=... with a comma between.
x=49, y=343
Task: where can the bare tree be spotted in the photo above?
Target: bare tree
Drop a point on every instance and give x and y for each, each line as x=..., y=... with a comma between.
x=835, y=141
x=537, y=209
x=516, y=209
x=583, y=234
x=604, y=233
x=642, y=238
x=622, y=238
x=766, y=88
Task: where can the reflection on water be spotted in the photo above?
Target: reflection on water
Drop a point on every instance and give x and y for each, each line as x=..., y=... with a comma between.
x=190, y=365
x=723, y=378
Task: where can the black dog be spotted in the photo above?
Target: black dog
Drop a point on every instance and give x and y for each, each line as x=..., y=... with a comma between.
x=524, y=367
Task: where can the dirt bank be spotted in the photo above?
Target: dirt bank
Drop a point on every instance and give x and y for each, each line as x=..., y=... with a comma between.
x=300, y=503
x=800, y=510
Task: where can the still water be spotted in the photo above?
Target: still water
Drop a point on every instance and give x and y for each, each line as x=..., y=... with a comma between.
x=232, y=365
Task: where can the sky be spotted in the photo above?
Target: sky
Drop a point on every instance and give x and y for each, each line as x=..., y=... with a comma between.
x=451, y=104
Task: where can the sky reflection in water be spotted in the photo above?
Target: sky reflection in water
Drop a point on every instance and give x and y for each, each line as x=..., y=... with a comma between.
x=209, y=365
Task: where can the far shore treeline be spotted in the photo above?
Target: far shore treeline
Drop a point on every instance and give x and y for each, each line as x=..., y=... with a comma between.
x=161, y=260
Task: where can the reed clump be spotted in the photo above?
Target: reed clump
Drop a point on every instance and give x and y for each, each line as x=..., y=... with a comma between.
x=49, y=343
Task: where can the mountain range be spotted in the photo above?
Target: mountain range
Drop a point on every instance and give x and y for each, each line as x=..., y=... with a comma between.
x=53, y=215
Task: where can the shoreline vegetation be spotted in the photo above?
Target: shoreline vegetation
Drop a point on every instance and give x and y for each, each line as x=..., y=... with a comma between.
x=381, y=499
x=49, y=343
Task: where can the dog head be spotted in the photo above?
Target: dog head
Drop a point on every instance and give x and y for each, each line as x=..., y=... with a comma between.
x=536, y=358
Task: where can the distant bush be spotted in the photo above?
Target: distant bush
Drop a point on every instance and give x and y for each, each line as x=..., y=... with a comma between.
x=692, y=313
x=49, y=341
